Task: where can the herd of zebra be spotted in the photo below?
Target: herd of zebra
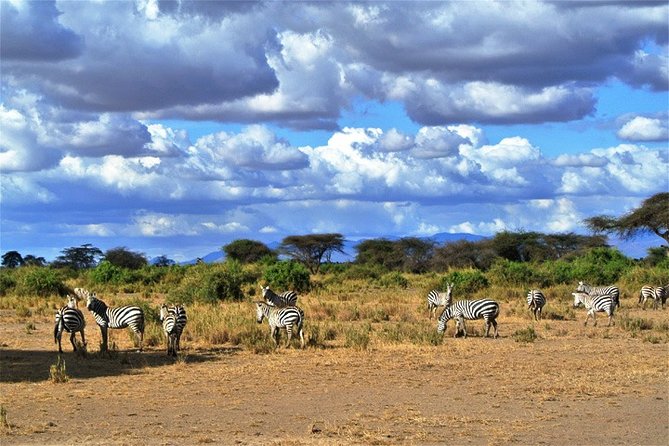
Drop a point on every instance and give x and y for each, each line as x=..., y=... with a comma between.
x=595, y=300
x=282, y=312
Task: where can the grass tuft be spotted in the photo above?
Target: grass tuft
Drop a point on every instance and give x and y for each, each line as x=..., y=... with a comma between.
x=58, y=372
x=525, y=335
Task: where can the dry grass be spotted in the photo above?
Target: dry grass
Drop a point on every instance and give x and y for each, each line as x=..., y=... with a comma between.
x=374, y=372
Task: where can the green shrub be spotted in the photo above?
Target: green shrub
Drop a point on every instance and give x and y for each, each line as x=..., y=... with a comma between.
x=210, y=283
x=508, y=273
x=364, y=272
x=40, y=281
x=393, y=279
x=287, y=275
x=601, y=266
x=7, y=281
x=468, y=281
x=108, y=273
x=358, y=336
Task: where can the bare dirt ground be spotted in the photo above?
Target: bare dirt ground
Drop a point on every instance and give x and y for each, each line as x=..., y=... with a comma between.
x=578, y=387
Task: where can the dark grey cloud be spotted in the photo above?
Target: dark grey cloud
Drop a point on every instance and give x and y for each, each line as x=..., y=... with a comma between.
x=31, y=32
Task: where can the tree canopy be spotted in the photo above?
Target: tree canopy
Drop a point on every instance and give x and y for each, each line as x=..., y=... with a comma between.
x=125, y=258
x=311, y=250
x=82, y=257
x=247, y=251
x=651, y=217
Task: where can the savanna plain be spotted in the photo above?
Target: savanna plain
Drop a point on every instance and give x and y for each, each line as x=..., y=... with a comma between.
x=374, y=371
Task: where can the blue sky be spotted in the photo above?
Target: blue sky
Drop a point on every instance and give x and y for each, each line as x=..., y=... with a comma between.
x=175, y=127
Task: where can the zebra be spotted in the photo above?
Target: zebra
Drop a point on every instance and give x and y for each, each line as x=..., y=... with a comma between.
x=170, y=327
x=436, y=299
x=285, y=299
x=663, y=294
x=81, y=293
x=611, y=290
x=535, y=302
x=486, y=309
x=289, y=318
x=70, y=319
x=657, y=294
x=181, y=319
x=604, y=303
x=116, y=317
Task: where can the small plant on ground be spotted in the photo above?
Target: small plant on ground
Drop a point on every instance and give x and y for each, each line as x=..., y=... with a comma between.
x=525, y=335
x=58, y=372
x=4, y=424
x=358, y=337
x=30, y=327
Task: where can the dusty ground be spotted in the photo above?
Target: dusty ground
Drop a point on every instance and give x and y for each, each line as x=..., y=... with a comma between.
x=578, y=387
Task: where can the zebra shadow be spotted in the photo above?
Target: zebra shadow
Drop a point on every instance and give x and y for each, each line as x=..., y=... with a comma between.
x=35, y=365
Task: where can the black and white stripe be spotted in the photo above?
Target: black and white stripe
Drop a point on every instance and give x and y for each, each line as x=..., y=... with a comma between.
x=436, y=299
x=181, y=318
x=485, y=309
x=663, y=293
x=169, y=321
x=595, y=304
x=535, y=302
x=285, y=299
x=70, y=319
x=610, y=290
x=656, y=294
x=288, y=318
x=81, y=293
x=116, y=317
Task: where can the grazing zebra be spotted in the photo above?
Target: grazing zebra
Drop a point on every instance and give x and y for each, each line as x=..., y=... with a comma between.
x=656, y=294
x=603, y=303
x=169, y=320
x=470, y=309
x=116, y=317
x=181, y=319
x=436, y=299
x=289, y=318
x=70, y=319
x=285, y=299
x=663, y=294
x=535, y=302
x=611, y=290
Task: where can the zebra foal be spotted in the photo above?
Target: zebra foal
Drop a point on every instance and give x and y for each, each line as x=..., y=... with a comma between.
x=116, y=317
x=70, y=319
x=436, y=299
x=595, y=304
x=285, y=299
x=288, y=318
x=180, y=320
x=485, y=309
x=535, y=302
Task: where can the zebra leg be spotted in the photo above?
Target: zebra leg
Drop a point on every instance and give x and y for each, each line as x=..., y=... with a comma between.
x=58, y=337
x=103, y=331
x=289, y=334
x=494, y=324
x=72, y=341
x=301, y=333
x=83, y=338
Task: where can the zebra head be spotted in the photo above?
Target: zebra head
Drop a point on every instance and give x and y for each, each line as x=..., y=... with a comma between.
x=72, y=301
x=581, y=287
x=163, y=311
x=443, y=320
x=265, y=290
x=579, y=298
x=90, y=300
x=260, y=311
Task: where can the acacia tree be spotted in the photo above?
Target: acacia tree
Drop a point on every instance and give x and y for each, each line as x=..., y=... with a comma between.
x=12, y=259
x=247, y=251
x=125, y=258
x=651, y=216
x=310, y=250
x=82, y=257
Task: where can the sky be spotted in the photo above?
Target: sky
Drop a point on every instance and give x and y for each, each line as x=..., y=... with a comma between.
x=176, y=127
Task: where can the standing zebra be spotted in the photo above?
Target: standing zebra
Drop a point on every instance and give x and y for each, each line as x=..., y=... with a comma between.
x=285, y=299
x=81, y=293
x=664, y=293
x=656, y=294
x=169, y=320
x=289, y=318
x=70, y=319
x=535, y=302
x=485, y=309
x=436, y=299
x=116, y=317
x=603, y=304
x=611, y=290
x=180, y=317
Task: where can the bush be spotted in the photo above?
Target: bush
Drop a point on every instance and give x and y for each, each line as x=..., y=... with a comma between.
x=287, y=275
x=468, y=281
x=393, y=280
x=508, y=273
x=108, y=273
x=40, y=281
x=7, y=281
x=601, y=266
x=525, y=335
x=210, y=283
